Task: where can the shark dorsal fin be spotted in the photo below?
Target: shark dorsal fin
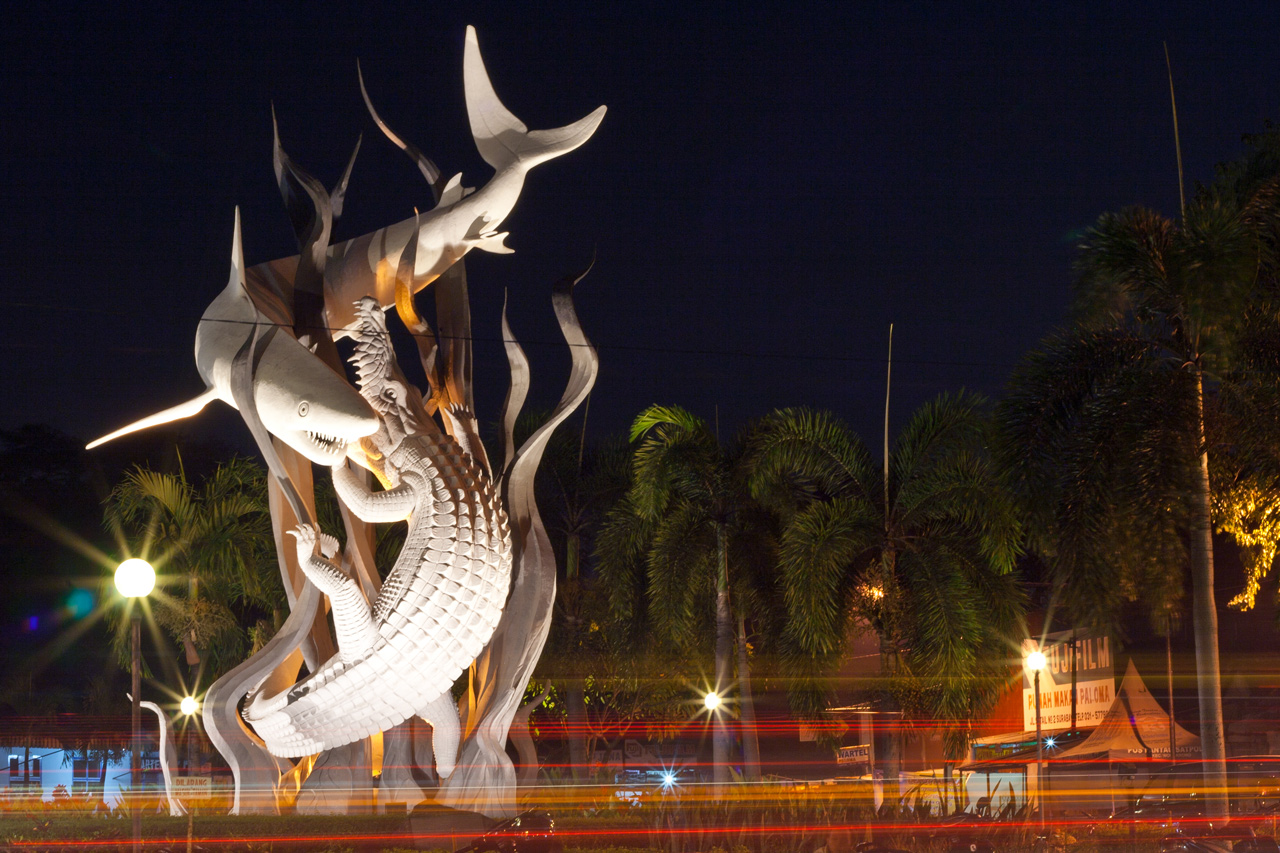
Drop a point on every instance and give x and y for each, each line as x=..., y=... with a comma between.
x=235, y=281
x=453, y=191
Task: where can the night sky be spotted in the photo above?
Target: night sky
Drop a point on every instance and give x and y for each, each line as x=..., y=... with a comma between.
x=772, y=185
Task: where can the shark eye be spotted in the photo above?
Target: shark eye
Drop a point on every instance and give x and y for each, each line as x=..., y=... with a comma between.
x=303, y=409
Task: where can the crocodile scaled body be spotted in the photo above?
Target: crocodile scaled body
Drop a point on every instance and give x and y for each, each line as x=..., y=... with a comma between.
x=438, y=606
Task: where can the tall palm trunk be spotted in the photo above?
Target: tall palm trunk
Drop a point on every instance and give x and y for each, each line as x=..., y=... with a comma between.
x=888, y=730
x=189, y=639
x=721, y=744
x=577, y=724
x=750, y=741
x=1205, y=624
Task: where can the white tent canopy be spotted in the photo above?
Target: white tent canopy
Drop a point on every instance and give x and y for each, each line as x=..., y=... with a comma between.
x=1134, y=728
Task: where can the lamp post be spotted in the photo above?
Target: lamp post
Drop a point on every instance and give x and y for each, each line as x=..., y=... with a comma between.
x=134, y=579
x=189, y=706
x=1035, y=662
x=713, y=703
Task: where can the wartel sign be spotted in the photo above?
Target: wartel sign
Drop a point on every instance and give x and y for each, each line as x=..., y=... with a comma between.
x=1095, y=681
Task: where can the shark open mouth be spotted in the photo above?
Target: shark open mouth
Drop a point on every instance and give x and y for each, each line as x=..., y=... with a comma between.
x=327, y=445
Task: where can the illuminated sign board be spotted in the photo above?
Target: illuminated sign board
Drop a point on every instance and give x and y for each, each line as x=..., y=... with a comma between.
x=1095, y=681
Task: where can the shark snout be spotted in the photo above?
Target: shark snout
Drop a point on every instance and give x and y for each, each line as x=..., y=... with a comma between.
x=303, y=401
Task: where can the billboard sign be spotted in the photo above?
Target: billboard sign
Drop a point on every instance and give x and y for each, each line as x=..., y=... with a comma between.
x=859, y=754
x=1095, y=681
x=189, y=788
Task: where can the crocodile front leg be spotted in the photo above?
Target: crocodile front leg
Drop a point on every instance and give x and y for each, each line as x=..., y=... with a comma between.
x=352, y=619
x=373, y=507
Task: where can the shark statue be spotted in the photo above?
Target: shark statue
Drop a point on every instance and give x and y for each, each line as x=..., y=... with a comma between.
x=299, y=398
x=463, y=219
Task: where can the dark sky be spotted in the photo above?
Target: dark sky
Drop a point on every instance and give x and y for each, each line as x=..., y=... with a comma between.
x=772, y=186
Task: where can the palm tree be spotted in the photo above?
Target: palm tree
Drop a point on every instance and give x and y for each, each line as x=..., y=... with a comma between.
x=1105, y=423
x=671, y=546
x=216, y=536
x=921, y=549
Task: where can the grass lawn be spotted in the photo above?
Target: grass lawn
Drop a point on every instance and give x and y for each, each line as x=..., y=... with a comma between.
x=580, y=833
x=62, y=831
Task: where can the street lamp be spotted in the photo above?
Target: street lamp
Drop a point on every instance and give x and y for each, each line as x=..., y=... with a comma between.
x=135, y=578
x=189, y=706
x=1035, y=662
x=713, y=702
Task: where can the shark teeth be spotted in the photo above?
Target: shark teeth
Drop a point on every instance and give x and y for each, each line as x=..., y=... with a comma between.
x=327, y=443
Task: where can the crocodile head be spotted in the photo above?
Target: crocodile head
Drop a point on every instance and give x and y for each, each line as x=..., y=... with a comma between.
x=384, y=388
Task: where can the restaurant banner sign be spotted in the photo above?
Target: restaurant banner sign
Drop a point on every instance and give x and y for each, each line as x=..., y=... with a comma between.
x=1095, y=681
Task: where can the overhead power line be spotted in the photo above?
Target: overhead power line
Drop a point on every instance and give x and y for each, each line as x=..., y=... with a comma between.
x=558, y=342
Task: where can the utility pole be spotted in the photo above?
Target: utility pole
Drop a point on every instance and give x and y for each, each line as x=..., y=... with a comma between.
x=1073, y=642
x=1168, y=660
x=135, y=760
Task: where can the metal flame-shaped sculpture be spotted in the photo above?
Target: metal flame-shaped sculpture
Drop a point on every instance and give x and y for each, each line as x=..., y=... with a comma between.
x=474, y=583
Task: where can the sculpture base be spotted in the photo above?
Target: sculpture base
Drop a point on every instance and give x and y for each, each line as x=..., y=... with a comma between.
x=339, y=783
x=436, y=827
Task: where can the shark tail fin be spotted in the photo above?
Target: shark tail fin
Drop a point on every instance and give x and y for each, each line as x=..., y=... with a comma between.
x=175, y=413
x=503, y=140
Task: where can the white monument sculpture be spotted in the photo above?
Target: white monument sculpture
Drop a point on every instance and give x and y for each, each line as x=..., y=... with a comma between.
x=167, y=756
x=473, y=586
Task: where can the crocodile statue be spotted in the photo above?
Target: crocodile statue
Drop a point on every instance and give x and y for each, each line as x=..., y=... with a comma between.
x=440, y=603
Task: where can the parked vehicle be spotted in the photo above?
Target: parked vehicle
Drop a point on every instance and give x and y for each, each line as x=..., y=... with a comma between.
x=528, y=832
x=1227, y=840
x=970, y=844
x=876, y=847
x=1162, y=810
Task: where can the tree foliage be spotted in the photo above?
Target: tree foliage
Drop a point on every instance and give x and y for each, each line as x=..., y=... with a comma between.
x=656, y=553
x=213, y=549
x=925, y=559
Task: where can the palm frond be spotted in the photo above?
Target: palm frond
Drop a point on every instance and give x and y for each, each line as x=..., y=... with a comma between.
x=942, y=427
x=817, y=550
x=797, y=454
x=675, y=454
x=960, y=497
x=680, y=571
x=620, y=559
x=1123, y=267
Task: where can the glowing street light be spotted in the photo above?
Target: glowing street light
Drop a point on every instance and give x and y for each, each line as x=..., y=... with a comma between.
x=712, y=701
x=135, y=578
x=1035, y=663
x=188, y=705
